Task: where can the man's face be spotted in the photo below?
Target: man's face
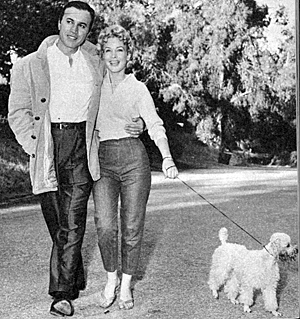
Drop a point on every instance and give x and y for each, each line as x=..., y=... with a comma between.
x=73, y=29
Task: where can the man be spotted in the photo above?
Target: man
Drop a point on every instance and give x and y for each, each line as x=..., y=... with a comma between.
x=53, y=105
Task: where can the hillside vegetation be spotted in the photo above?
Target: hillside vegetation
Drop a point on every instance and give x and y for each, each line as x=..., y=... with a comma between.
x=225, y=96
x=188, y=151
x=14, y=163
x=14, y=176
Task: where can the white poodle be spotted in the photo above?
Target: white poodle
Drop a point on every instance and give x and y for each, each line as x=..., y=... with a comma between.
x=242, y=271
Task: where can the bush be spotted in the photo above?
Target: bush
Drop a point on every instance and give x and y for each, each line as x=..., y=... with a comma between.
x=14, y=170
x=4, y=94
x=275, y=135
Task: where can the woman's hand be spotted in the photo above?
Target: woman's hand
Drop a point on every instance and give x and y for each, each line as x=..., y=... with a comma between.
x=169, y=168
x=136, y=127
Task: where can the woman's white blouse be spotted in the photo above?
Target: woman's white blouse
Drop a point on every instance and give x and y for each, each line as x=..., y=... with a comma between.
x=130, y=99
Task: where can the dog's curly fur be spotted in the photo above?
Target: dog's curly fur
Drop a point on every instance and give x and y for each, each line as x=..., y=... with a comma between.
x=241, y=271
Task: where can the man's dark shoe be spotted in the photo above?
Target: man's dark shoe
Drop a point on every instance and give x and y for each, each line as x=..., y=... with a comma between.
x=61, y=308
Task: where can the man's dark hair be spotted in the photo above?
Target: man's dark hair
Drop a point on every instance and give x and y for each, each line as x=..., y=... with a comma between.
x=80, y=5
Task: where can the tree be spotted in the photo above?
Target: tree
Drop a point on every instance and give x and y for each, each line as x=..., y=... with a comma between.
x=199, y=58
x=207, y=58
x=24, y=24
x=212, y=40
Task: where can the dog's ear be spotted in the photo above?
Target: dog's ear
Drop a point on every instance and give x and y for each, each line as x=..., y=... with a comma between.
x=275, y=246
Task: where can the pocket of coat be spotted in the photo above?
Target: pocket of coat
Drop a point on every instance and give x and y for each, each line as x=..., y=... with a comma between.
x=32, y=171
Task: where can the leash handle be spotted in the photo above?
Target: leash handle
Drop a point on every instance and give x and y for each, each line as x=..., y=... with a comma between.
x=240, y=227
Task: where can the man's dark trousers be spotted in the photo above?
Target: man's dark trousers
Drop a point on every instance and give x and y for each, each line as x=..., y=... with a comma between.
x=65, y=210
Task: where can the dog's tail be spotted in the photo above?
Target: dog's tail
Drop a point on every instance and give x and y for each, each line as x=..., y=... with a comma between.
x=223, y=235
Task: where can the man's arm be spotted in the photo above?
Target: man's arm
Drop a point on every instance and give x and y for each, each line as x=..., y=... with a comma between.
x=20, y=115
x=136, y=128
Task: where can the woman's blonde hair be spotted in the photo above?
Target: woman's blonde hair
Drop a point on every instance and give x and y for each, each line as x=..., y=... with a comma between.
x=114, y=31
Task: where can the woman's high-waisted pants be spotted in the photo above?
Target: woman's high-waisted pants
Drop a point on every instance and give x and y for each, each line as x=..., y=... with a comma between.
x=125, y=175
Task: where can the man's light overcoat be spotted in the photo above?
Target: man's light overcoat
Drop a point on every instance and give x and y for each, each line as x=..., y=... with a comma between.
x=29, y=113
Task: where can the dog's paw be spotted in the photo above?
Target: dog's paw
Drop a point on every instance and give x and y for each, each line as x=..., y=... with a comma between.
x=276, y=313
x=234, y=301
x=215, y=294
x=247, y=309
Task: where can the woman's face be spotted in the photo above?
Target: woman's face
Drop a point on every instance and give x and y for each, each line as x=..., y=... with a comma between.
x=115, y=55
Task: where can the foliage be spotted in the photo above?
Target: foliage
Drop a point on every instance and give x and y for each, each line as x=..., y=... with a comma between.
x=14, y=168
x=223, y=69
x=276, y=134
x=210, y=39
x=25, y=23
x=152, y=42
x=200, y=59
x=4, y=94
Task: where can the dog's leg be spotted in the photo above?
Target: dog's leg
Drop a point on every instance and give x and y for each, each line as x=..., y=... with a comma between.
x=246, y=297
x=217, y=278
x=276, y=313
x=247, y=308
x=232, y=289
x=269, y=296
x=214, y=285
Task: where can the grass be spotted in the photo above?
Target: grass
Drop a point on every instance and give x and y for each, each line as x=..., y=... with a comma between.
x=195, y=153
x=187, y=151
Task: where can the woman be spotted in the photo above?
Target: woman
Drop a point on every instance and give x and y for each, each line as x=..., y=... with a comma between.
x=125, y=169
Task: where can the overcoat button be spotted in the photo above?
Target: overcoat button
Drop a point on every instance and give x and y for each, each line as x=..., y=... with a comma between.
x=33, y=137
x=43, y=100
x=37, y=118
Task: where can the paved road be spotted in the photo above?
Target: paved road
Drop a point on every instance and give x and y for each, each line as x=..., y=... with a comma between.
x=180, y=236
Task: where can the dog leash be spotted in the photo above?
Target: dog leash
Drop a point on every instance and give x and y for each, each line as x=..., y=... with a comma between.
x=243, y=229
